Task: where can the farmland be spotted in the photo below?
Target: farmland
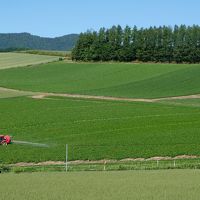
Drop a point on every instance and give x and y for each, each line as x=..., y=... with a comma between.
x=99, y=129
x=116, y=129
x=119, y=80
x=10, y=60
x=100, y=100
x=140, y=185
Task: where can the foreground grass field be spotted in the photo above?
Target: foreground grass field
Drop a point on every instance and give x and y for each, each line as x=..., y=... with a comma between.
x=10, y=60
x=119, y=80
x=137, y=185
x=100, y=129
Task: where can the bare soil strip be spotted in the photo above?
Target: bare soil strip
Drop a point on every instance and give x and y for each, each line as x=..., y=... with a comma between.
x=79, y=96
x=196, y=96
x=77, y=162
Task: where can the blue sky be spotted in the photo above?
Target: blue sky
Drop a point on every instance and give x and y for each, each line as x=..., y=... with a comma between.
x=59, y=17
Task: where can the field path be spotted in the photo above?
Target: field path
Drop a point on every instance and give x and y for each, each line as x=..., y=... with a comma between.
x=41, y=95
x=79, y=96
x=77, y=162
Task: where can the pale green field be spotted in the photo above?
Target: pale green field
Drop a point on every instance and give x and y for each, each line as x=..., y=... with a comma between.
x=136, y=185
x=10, y=60
x=8, y=93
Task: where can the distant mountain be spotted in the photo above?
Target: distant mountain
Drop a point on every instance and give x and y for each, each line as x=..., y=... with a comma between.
x=28, y=41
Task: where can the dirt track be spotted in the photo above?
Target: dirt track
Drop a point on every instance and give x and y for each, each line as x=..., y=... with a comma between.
x=44, y=95
x=40, y=95
x=79, y=96
x=77, y=162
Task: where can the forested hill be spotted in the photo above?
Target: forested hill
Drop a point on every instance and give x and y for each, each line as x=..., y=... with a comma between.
x=28, y=41
x=155, y=44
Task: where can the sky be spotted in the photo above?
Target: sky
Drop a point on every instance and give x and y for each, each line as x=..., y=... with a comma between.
x=52, y=18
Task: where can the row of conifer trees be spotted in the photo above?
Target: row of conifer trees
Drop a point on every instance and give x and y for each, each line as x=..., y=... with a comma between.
x=155, y=44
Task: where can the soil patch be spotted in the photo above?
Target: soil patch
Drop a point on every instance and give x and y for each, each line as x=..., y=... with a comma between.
x=159, y=158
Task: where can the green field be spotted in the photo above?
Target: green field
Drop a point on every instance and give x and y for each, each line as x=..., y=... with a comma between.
x=120, y=80
x=137, y=185
x=10, y=60
x=184, y=102
x=118, y=129
x=99, y=129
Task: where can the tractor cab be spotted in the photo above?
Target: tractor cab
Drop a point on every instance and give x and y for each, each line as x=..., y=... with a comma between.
x=5, y=139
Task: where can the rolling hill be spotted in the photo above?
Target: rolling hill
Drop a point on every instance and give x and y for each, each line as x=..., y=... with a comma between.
x=116, y=80
x=94, y=128
x=28, y=41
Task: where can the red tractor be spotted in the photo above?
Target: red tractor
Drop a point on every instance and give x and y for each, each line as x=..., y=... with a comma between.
x=5, y=139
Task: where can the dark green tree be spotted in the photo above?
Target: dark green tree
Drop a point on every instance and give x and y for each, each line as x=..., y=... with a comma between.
x=180, y=44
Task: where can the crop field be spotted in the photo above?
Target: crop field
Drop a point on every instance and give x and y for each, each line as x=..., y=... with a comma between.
x=138, y=185
x=116, y=129
x=10, y=60
x=119, y=80
x=99, y=129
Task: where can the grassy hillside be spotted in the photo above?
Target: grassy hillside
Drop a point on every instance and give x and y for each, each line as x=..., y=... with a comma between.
x=117, y=129
x=176, y=185
x=111, y=129
x=121, y=80
x=10, y=60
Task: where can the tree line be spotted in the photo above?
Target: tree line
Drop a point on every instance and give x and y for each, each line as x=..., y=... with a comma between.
x=155, y=44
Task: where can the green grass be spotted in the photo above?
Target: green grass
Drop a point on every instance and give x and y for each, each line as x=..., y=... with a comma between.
x=119, y=166
x=121, y=80
x=49, y=53
x=183, y=102
x=137, y=185
x=109, y=165
x=10, y=60
x=117, y=129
